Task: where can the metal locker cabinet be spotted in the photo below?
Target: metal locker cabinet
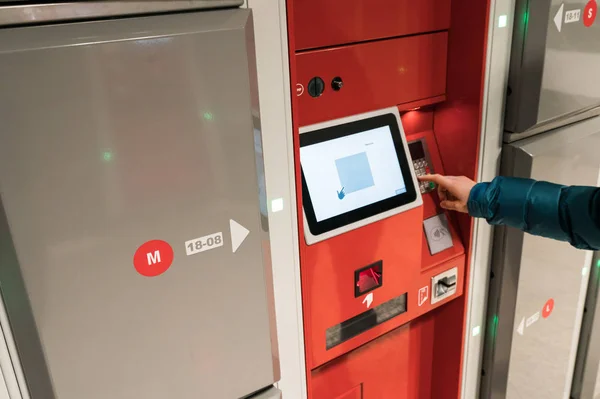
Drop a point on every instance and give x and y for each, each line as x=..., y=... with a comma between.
x=116, y=133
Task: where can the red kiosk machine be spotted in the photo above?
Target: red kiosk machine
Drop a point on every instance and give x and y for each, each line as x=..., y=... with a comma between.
x=386, y=91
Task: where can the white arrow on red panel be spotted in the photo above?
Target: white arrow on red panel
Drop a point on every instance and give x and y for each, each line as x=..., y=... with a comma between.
x=369, y=300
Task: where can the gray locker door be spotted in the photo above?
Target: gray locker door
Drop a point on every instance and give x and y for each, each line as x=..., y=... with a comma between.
x=134, y=264
x=538, y=286
x=586, y=379
x=272, y=393
x=554, y=63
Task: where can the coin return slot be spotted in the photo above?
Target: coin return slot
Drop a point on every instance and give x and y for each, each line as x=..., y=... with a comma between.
x=444, y=285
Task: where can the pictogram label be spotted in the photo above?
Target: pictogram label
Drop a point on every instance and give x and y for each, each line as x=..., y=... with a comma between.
x=203, y=244
x=589, y=13
x=548, y=308
x=153, y=258
x=521, y=327
x=572, y=16
x=423, y=295
x=532, y=319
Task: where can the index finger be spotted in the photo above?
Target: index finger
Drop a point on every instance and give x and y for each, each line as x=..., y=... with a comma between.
x=437, y=179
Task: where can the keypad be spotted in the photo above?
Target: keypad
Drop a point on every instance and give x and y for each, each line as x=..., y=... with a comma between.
x=422, y=168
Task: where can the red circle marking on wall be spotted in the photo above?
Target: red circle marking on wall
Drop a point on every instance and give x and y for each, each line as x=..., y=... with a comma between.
x=589, y=13
x=548, y=308
x=153, y=258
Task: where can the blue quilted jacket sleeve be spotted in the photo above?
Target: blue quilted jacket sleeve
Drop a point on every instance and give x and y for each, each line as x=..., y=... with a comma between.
x=545, y=209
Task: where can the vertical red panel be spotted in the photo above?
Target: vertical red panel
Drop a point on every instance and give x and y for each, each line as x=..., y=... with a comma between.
x=355, y=393
x=423, y=358
x=457, y=127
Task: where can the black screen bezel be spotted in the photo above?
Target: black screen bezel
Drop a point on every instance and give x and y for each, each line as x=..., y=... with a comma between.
x=356, y=215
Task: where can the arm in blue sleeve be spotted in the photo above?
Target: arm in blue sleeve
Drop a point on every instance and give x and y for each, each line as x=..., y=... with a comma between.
x=540, y=208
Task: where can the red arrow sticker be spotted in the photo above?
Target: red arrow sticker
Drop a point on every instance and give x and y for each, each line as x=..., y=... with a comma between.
x=548, y=308
x=589, y=13
x=153, y=258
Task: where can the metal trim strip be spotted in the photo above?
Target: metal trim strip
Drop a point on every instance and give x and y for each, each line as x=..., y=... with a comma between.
x=37, y=14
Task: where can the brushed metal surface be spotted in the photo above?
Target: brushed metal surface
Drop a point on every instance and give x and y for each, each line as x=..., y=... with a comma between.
x=26, y=14
x=571, y=62
x=553, y=67
x=115, y=133
x=587, y=367
x=530, y=270
x=272, y=393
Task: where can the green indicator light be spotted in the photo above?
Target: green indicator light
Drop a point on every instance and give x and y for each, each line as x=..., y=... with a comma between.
x=208, y=116
x=494, y=330
x=598, y=264
x=502, y=21
x=107, y=156
x=526, y=18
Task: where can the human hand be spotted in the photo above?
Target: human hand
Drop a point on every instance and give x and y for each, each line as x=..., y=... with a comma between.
x=453, y=191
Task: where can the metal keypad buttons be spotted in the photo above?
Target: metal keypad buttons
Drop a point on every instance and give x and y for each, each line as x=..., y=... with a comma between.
x=421, y=169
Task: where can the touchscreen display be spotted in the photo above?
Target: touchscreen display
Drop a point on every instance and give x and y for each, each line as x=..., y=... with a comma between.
x=354, y=172
x=351, y=172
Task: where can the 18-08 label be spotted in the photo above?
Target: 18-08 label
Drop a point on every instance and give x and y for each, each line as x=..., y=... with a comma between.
x=202, y=244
